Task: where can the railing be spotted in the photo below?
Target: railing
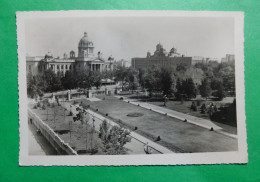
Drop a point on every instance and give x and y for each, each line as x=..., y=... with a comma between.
x=57, y=143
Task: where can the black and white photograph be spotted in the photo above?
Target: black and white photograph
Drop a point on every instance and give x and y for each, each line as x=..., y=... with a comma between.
x=131, y=88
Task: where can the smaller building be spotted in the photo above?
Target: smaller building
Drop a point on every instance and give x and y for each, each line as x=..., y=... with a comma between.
x=230, y=58
x=198, y=59
x=122, y=63
x=161, y=58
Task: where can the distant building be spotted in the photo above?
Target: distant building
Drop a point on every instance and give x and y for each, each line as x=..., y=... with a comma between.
x=223, y=60
x=230, y=58
x=122, y=63
x=85, y=58
x=198, y=59
x=162, y=59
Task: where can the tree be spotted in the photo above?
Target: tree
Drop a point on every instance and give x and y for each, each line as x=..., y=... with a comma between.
x=97, y=79
x=179, y=88
x=31, y=86
x=113, y=138
x=190, y=88
x=132, y=78
x=48, y=81
x=141, y=77
x=122, y=75
x=205, y=89
x=85, y=79
x=152, y=79
x=166, y=81
x=68, y=81
x=220, y=92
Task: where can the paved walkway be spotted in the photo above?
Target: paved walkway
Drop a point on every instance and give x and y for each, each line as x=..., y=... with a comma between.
x=156, y=148
x=190, y=119
x=34, y=147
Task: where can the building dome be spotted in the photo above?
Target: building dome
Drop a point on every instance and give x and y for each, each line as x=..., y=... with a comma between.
x=48, y=55
x=85, y=42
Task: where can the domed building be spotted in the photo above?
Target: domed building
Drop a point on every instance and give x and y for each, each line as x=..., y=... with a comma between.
x=85, y=47
x=161, y=58
x=86, y=59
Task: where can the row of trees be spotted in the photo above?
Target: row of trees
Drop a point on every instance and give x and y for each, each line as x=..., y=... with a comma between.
x=218, y=80
x=48, y=81
x=213, y=79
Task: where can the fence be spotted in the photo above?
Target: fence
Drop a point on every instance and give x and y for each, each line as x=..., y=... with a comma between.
x=57, y=143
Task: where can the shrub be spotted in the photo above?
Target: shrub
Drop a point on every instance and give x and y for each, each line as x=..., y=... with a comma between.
x=35, y=106
x=135, y=128
x=106, y=114
x=43, y=107
x=121, y=98
x=203, y=109
x=38, y=104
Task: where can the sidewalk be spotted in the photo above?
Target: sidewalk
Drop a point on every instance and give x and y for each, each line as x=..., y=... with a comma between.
x=181, y=116
x=34, y=147
x=134, y=135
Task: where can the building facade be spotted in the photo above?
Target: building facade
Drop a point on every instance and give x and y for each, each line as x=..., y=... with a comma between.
x=161, y=58
x=85, y=59
x=230, y=58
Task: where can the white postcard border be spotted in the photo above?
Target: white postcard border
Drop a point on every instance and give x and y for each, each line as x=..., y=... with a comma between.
x=239, y=156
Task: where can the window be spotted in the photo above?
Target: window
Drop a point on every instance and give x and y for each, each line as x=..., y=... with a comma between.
x=62, y=67
x=30, y=67
x=70, y=67
x=66, y=67
x=58, y=67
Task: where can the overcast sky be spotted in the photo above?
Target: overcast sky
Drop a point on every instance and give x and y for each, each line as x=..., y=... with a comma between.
x=125, y=38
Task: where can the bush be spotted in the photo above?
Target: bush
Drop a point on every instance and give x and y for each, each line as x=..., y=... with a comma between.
x=121, y=98
x=35, y=106
x=38, y=104
x=43, y=107
x=203, y=109
x=193, y=106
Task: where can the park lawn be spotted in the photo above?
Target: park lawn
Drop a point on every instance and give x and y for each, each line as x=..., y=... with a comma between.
x=175, y=134
x=184, y=107
x=77, y=139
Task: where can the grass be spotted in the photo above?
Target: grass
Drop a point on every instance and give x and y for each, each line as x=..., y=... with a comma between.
x=174, y=133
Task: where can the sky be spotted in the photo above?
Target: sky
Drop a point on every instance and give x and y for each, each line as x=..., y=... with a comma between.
x=128, y=37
